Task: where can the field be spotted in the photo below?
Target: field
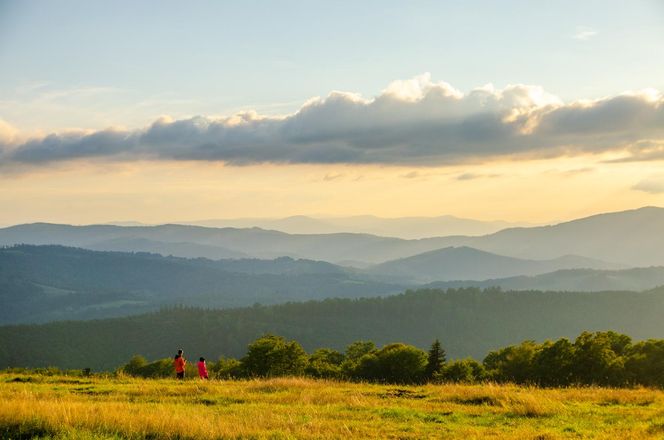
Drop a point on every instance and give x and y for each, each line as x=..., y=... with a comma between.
x=67, y=407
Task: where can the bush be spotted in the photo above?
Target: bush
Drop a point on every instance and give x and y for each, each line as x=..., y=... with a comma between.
x=325, y=363
x=272, y=355
x=462, y=371
x=139, y=366
x=225, y=368
x=394, y=363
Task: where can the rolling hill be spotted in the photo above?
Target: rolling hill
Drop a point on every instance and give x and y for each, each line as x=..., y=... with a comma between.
x=464, y=263
x=580, y=280
x=45, y=283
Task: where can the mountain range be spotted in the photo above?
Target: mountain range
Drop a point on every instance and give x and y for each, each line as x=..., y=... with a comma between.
x=628, y=238
x=401, y=227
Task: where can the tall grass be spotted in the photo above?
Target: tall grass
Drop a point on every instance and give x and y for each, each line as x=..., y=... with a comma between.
x=65, y=407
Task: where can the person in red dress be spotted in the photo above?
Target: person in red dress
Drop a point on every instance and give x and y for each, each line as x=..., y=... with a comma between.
x=202, y=369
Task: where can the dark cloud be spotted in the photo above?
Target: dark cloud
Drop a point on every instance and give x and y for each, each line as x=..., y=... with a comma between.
x=415, y=122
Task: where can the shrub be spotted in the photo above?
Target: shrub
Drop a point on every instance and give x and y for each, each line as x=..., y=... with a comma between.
x=272, y=355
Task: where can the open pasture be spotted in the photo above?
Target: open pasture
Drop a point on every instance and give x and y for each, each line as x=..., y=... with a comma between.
x=66, y=407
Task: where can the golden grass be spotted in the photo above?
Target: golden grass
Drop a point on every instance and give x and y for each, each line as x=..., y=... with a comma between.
x=81, y=408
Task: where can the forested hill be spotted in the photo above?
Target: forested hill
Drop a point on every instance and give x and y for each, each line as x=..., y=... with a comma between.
x=464, y=263
x=469, y=322
x=46, y=283
x=584, y=280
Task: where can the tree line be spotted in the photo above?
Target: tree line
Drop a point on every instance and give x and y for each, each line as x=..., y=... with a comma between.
x=600, y=358
x=469, y=321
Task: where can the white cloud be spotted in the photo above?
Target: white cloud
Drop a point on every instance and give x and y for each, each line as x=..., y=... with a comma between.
x=584, y=33
x=412, y=122
x=8, y=134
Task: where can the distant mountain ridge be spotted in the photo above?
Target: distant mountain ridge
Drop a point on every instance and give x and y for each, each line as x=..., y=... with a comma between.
x=400, y=227
x=465, y=263
x=630, y=238
x=634, y=238
x=254, y=242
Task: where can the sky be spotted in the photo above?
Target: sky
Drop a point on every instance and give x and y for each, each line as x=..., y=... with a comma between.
x=163, y=111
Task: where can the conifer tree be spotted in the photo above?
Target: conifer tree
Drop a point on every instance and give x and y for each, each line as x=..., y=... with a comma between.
x=436, y=360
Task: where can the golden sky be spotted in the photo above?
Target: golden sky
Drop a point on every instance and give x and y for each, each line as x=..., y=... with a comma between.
x=537, y=191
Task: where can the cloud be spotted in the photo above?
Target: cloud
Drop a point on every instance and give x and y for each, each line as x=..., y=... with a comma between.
x=473, y=176
x=414, y=122
x=8, y=134
x=652, y=185
x=642, y=151
x=331, y=177
x=411, y=175
x=584, y=33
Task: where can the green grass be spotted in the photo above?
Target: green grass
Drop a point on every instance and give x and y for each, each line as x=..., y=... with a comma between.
x=61, y=407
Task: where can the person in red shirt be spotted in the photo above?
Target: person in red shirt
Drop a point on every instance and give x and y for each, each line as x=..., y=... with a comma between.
x=202, y=369
x=179, y=363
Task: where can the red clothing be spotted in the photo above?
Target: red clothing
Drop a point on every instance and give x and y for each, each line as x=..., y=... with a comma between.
x=202, y=370
x=179, y=364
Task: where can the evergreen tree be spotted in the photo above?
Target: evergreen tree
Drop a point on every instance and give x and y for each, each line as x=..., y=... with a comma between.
x=436, y=360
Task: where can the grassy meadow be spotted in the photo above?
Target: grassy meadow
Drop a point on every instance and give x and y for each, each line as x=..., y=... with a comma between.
x=66, y=407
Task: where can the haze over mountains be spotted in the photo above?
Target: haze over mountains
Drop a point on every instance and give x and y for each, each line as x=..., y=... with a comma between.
x=68, y=272
x=571, y=280
x=465, y=263
x=154, y=266
x=400, y=227
x=628, y=238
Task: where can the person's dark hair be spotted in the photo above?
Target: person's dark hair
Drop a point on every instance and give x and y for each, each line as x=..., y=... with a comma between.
x=180, y=351
x=202, y=359
x=176, y=356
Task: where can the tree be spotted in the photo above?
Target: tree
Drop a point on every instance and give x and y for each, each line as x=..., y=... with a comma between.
x=354, y=353
x=394, y=363
x=358, y=349
x=462, y=370
x=513, y=363
x=435, y=361
x=272, y=355
x=553, y=364
x=599, y=358
x=325, y=363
